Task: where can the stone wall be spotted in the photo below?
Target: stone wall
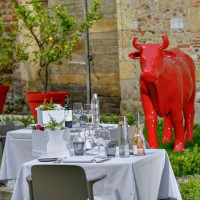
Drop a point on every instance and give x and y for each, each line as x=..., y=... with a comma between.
x=15, y=97
x=104, y=67
x=148, y=20
x=113, y=75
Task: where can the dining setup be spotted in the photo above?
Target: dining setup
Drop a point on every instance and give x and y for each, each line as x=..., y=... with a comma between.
x=114, y=156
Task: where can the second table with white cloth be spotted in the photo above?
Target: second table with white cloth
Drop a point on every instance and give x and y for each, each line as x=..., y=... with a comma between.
x=18, y=150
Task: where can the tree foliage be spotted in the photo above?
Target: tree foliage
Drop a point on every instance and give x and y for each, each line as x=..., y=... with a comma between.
x=55, y=34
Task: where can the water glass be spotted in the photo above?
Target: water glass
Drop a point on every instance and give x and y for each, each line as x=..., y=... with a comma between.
x=79, y=148
x=79, y=145
x=87, y=111
x=103, y=137
x=77, y=111
x=89, y=137
x=111, y=148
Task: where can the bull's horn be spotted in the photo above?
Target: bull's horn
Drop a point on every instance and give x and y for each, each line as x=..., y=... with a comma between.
x=166, y=42
x=136, y=45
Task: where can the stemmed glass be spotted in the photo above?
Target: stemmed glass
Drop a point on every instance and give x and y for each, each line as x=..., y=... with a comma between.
x=77, y=111
x=89, y=137
x=102, y=138
x=87, y=111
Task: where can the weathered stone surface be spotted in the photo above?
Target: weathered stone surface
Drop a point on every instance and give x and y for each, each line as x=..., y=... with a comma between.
x=67, y=67
x=130, y=89
x=129, y=105
x=106, y=90
x=105, y=78
x=148, y=20
x=194, y=19
x=104, y=25
x=103, y=35
x=68, y=78
x=127, y=70
x=104, y=49
x=109, y=105
x=77, y=91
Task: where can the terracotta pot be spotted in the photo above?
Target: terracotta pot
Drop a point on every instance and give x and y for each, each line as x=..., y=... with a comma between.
x=3, y=92
x=35, y=99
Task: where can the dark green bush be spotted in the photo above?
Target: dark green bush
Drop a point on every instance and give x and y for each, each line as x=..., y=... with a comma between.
x=187, y=162
x=191, y=190
x=26, y=119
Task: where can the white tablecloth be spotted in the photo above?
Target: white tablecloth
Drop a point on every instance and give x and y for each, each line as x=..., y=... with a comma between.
x=148, y=177
x=18, y=150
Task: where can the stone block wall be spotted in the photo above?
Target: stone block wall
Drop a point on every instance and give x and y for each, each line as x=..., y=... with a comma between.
x=104, y=67
x=148, y=20
x=15, y=97
x=113, y=75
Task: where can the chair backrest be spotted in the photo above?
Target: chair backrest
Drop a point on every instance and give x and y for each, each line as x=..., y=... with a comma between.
x=8, y=126
x=59, y=182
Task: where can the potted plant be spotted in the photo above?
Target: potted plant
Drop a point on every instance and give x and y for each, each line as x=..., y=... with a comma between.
x=51, y=140
x=55, y=36
x=10, y=54
x=46, y=110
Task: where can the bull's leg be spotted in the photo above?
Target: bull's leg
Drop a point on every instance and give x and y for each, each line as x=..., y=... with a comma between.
x=177, y=120
x=151, y=121
x=167, y=131
x=189, y=120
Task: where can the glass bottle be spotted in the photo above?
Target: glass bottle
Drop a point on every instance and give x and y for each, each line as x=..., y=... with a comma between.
x=68, y=113
x=95, y=110
x=138, y=138
x=123, y=137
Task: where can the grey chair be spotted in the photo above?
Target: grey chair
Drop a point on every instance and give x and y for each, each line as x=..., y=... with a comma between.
x=60, y=182
x=8, y=126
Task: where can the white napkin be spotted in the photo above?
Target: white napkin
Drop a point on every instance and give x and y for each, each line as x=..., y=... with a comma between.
x=78, y=159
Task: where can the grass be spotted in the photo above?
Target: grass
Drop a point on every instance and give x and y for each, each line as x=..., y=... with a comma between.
x=169, y=146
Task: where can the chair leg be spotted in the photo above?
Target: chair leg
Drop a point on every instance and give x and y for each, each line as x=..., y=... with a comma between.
x=90, y=190
x=29, y=180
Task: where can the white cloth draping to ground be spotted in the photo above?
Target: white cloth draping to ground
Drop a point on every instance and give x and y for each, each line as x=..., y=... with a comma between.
x=18, y=150
x=148, y=177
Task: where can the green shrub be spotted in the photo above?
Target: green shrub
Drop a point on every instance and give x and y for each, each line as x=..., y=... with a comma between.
x=187, y=162
x=104, y=119
x=26, y=119
x=191, y=190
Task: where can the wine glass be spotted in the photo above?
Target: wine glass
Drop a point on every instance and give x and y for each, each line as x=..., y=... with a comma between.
x=77, y=111
x=102, y=138
x=89, y=137
x=87, y=111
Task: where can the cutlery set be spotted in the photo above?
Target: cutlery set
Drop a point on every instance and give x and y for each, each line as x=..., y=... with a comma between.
x=64, y=160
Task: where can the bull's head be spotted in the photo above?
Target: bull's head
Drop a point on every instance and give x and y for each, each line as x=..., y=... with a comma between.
x=151, y=58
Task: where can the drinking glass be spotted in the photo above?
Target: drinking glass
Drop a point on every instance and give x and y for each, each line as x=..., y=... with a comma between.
x=103, y=137
x=77, y=111
x=89, y=137
x=87, y=111
x=79, y=145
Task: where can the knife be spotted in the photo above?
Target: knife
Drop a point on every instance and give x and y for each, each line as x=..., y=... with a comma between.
x=104, y=160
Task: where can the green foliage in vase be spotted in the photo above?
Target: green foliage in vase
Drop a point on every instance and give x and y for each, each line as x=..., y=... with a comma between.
x=53, y=124
x=190, y=190
x=47, y=106
x=10, y=51
x=55, y=34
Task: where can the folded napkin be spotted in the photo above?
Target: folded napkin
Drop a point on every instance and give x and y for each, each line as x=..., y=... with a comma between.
x=78, y=159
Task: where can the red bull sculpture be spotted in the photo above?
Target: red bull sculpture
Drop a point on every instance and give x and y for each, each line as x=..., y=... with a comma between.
x=167, y=89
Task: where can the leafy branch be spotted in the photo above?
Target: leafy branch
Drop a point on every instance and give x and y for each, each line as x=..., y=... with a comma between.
x=55, y=35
